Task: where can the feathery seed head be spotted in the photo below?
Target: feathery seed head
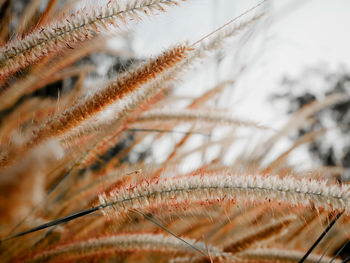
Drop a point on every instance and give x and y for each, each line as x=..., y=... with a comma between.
x=251, y=188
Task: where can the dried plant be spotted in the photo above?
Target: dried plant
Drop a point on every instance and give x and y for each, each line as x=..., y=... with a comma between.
x=77, y=182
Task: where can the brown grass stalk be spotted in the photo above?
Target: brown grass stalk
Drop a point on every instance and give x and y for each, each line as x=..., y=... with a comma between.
x=115, y=91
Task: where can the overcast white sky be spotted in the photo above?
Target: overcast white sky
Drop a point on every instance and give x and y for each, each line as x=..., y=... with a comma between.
x=298, y=34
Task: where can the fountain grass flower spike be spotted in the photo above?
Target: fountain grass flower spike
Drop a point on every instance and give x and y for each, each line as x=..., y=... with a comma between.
x=82, y=176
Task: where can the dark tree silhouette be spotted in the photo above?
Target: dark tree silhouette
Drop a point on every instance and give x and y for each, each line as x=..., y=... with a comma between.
x=316, y=83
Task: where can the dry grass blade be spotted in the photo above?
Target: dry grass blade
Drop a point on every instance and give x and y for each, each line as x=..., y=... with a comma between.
x=258, y=234
x=280, y=255
x=137, y=242
x=329, y=227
